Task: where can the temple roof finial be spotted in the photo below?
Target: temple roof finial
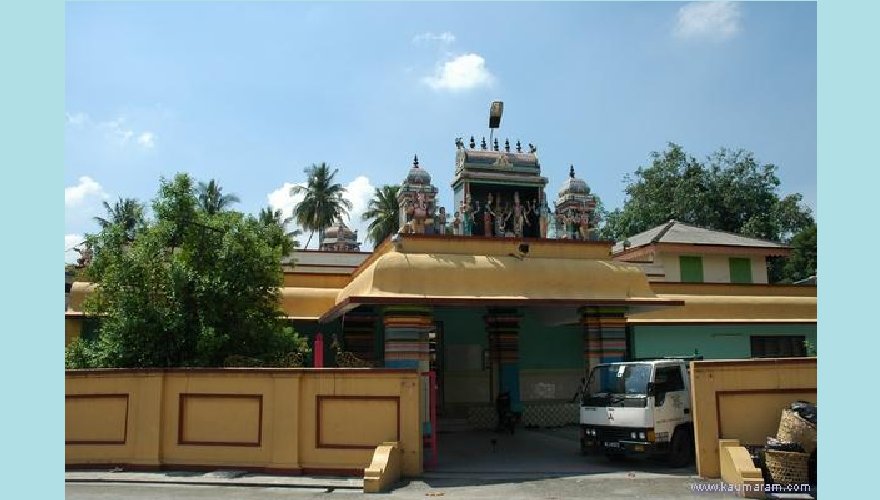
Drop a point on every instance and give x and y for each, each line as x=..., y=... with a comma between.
x=473, y=144
x=416, y=161
x=571, y=172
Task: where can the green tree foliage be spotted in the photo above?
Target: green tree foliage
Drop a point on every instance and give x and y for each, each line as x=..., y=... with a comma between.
x=212, y=199
x=193, y=288
x=323, y=203
x=802, y=262
x=384, y=212
x=128, y=213
x=730, y=191
x=276, y=223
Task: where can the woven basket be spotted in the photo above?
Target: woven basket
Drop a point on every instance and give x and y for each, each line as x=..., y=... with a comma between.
x=794, y=429
x=788, y=467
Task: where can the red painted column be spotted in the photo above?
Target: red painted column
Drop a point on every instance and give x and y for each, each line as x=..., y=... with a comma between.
x=318, y=350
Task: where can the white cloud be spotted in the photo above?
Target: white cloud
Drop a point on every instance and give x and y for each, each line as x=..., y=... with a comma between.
x=281, y=198
x=70, y=241
x=710, y=20
x=147, y=140
x=358, y=192
x=83, y=192
x=82, y=202
x=461, y=73
x=444, y=38
x=116, y=130
x=77, y=119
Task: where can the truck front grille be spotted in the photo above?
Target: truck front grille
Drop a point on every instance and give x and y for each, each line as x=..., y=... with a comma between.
x=615, y=433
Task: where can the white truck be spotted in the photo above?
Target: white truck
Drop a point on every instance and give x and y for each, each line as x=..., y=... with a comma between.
x=640, y=408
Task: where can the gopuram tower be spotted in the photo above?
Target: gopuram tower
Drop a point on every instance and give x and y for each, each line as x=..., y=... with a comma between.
x=575, y=210
x=418, y=203
x=498, y=192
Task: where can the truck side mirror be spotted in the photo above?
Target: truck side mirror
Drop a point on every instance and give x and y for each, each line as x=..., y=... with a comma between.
x=651, y=389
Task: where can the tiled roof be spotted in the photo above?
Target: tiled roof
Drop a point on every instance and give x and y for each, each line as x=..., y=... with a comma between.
x=678, y=232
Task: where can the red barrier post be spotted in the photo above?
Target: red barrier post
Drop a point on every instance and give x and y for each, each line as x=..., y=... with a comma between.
x=318, y=350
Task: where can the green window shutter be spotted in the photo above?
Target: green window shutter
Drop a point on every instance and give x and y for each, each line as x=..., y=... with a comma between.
x=691, y=269
x=740, y=270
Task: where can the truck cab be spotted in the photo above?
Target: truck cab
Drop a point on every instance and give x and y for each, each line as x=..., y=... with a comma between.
x=639, y=408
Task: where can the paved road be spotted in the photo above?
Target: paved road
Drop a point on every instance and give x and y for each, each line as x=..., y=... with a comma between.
x=586, y=487
x=542, y=464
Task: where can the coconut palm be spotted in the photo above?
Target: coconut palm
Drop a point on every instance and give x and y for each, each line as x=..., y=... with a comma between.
x=384, y=211
x=274, y=218
x=324, y=201
x=127, y=213
x=211, y=197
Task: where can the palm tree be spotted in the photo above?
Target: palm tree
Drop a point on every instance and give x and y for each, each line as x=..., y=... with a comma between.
x=211, y=198
x=324, y=201
x=127, y=213
x=384, y=211
x=275, y=219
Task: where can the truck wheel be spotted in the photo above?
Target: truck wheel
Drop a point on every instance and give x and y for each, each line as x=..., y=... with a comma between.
x=681, y=448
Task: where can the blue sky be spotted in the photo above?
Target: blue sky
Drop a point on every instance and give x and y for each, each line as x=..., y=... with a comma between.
x=252, y=93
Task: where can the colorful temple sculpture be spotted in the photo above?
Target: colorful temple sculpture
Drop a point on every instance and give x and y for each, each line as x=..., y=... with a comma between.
x=418, y=204
x=575, y=213
x=498, y=193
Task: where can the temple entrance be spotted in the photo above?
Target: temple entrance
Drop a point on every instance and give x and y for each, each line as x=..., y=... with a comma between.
x=531, y=353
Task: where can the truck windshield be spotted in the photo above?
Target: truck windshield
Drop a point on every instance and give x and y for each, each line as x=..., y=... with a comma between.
x=616, y=380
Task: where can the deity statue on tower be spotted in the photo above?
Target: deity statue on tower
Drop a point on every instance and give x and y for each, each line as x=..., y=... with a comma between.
x=584, y=224
x=488, y=214
x=519, y=216
x=420, y=214
x=543, y=217
x=440, y=222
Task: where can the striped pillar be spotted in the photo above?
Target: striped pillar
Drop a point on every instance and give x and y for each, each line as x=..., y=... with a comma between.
x=604, y=334
x=502, y=327
x=407, y=346
x=406, y=337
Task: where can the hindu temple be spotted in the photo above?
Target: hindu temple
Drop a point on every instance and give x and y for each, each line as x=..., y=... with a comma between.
x=511, y=291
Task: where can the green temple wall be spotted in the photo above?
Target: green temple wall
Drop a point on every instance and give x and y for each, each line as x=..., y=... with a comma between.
x=550, y=365
x=711, y=341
